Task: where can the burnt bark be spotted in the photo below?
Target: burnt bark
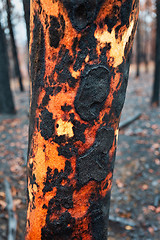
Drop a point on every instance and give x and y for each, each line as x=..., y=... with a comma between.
x=79, y=57
x=6, y=99
x=26, y=7
x=145, y=47
x=156, y=84
x=14, y=48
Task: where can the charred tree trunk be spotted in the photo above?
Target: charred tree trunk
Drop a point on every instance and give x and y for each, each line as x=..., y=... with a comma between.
x=6, y=100
x=79, y=54
x=138, y=50
x=146, y=35
x=145, y=46
x=14, y=48
x=156, y=85
x=26, y=7
x=146, y=52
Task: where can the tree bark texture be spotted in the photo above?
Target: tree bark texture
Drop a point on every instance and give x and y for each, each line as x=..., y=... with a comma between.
x=79, y=66
x=156, y=84
x=6, y=99
x=14, y=48
x=26, y=7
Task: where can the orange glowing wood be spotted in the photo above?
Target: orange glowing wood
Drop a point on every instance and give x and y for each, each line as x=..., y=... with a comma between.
x=79, y=61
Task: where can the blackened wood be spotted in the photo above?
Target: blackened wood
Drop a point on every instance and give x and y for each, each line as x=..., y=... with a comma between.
x=26, y=7
x=156, y=85
x=79, y=55
x=6, y=99
x=14, y=48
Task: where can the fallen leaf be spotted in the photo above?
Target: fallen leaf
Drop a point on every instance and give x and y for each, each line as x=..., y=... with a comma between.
x=128, y=227
x=2, y=194
x=144, y=187
x=151, y=230
x=157, y=161
x=119, y=183
x=150, y=207
x=17, y=202
x=157, y=210
x=3, y=204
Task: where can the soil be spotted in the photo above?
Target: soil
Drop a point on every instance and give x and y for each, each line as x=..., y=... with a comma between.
x=135, y=201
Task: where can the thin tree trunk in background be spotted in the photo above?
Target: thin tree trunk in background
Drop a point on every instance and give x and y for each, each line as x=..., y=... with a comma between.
x=156, y=84
x=6, y=99
x=14, y=48
x=138, y=50
x=146, y=35
x=146, y=54
x=26, y=7
x=79, y=56
x=146, y=46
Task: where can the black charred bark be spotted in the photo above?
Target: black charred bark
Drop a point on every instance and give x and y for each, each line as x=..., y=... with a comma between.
x=14, y=48
x=6, y=99
x=156, y=84
x=146, y=46
x=26, y=7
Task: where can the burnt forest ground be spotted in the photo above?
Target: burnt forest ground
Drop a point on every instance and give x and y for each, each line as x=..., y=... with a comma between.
x=135, y=201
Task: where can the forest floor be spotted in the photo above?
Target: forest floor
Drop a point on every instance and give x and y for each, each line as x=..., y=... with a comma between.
x=135, y=201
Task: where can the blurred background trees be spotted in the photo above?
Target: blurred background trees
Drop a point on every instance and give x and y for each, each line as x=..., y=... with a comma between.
x=26, y=7
x=13, y=44
x=6, y=99
x=14, y=53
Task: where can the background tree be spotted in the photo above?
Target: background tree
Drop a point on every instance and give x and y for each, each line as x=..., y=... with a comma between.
x=146, y=36
x=6, y=99
x=138, y=50
x=26, y=7
x=156, y=84
x=14, y=48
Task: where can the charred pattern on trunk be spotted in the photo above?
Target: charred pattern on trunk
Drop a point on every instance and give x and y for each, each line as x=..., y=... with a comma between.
x=60, y=228
x=92, y=92
x=82, y=12
x=47, y=124
x=56, y=30
x=63, y=199
x=99, y=213
x=79, y=68
x=120, y=93
x=37, y=68
x=94, y=164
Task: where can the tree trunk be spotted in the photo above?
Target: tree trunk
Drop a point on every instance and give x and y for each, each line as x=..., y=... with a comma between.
x=138, y=50
x=26, y=7
x=14, y=49
x=145, y=46
x=156, y=84
x=146, y=52
x=6, y=100
x=79, y=54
